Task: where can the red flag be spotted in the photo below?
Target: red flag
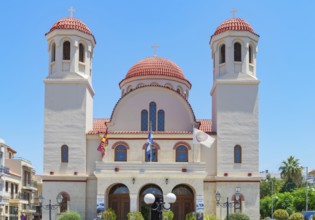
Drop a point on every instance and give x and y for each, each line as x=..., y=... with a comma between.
x=104, y=142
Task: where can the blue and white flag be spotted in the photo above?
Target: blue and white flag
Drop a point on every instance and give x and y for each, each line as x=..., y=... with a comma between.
x=149, y=146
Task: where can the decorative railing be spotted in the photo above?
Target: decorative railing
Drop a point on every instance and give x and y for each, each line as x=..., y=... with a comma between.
x=4, y=169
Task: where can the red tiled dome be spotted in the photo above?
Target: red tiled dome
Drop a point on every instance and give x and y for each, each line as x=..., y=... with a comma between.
x=70, y=24
x=155, y=66
x=234, y=24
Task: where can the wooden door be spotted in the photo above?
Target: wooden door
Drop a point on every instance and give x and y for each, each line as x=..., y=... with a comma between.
x=120, y=203
x=184, y=204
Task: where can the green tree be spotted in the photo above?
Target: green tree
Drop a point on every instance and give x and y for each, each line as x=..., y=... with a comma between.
x=284, y=201
x=71, y=215
x=266, y=186
x=291, y=172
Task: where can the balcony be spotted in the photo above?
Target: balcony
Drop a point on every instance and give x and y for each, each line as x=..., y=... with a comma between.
x=19, y=198
x=4, y=170
x=32, y=185
x=31, y=208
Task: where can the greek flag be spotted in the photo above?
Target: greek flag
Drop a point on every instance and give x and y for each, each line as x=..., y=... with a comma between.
x=149, y=146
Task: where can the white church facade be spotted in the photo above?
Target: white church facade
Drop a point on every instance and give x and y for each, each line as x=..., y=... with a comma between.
x=154, y=93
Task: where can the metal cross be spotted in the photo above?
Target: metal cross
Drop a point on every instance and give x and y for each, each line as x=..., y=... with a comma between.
x=71, y=10
x=155, y=46
x=233, y=12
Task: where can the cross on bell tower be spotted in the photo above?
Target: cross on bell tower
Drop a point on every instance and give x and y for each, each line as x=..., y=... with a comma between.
x=233, y=12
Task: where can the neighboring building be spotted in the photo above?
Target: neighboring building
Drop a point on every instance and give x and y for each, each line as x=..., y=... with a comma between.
x=154, y=90
x=17, y=185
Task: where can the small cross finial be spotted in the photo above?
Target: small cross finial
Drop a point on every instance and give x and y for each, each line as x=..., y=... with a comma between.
x=155, y=46
x=71, y=10
x=233, y=12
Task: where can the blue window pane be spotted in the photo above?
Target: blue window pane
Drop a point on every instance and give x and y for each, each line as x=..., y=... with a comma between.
x=64, y=153
x=160, y=120
x=154, y=155
x=144, y=120
x=237, y=154
x=120, y=153
x=181, y=154
x=153, y=115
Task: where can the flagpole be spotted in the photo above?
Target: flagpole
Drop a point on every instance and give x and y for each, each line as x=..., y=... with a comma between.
x=150, y=143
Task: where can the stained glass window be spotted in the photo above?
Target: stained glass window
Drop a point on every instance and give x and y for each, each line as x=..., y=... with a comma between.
x=153, y=115
x=144, y=120
x=120, y=153
x=161, y=120
x=181, y=154
x=237, y=154
x=64, y=154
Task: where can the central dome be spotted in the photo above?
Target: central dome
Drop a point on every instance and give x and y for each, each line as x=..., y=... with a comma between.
x=234, y=24
x=155, y=66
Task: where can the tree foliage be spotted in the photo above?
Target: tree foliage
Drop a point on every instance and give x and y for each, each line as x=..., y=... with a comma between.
x=270, y=185
x=291, y=172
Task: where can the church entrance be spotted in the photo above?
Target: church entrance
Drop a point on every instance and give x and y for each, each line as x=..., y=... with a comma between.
x=184, y=202
x=145, y=209
x=119, y=201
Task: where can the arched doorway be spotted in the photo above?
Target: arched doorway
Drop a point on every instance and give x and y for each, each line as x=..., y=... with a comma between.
x=145, y=209
x=185, y=202
x=119, y=201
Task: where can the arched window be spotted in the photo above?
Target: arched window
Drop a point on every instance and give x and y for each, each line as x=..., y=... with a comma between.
x=144, y=120
x=152, y=156
x=64, y=154
x=66, y=50
x=222, y=54
x=237, y=154
x=153, y=115
x=81, y=53
x=181, y=154
x=53, y=52
x=120, y=153
x=237, y=52
x=161, y=118
x=250, y=54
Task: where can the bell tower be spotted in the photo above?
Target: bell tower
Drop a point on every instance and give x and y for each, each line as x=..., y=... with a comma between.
x=235, y=110
x=68, y=111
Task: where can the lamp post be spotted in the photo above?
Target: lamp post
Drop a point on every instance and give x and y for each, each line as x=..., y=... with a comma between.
x=50, y=206
x=227, y=204
x=160, y=205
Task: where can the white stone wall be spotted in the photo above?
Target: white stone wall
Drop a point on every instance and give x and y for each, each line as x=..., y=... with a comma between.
x=76, y=190
x=127, y=114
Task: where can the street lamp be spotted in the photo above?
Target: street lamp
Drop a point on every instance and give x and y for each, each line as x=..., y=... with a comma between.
x=50, y=206
x=170, y=198
x=228, y=204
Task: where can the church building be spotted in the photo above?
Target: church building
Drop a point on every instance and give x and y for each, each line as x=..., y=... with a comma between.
x=154, y=96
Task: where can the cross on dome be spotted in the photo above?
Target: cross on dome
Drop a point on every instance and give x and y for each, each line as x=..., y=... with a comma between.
x=233, y=12
x=155, y=46
x=71, y=10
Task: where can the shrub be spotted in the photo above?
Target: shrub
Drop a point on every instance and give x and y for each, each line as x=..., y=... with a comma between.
x=135, y=216
x=281, y=214
x=313, y=217
x=71, y=215
x=238, y=216
x=191, y=216
x=168, y=215
x=296, y=216
x=210, y=217
x=109, y=214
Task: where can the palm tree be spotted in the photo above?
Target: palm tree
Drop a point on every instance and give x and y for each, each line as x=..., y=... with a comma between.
x=291, y=171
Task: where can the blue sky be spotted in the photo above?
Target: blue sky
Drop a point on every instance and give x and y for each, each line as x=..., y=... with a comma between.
x=125, y=31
